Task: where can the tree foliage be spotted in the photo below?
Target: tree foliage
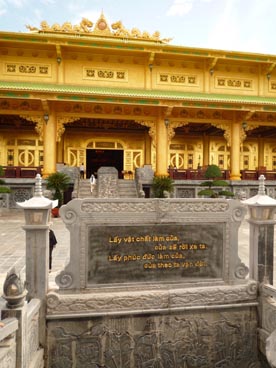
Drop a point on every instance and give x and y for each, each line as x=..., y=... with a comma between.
x=58, y=182
x=214, y=172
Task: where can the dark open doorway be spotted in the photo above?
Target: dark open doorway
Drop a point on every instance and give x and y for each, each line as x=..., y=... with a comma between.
x=96, y=158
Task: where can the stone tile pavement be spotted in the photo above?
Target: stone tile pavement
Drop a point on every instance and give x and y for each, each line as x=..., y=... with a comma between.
x=12, y=245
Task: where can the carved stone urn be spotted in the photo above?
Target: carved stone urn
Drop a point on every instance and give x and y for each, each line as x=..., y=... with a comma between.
x=14, y=290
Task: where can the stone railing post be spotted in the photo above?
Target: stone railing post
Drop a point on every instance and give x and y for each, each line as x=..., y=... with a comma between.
x=37, y=216
x=261, y=220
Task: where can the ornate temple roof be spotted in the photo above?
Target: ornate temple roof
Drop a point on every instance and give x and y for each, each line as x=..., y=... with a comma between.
x=100, y=29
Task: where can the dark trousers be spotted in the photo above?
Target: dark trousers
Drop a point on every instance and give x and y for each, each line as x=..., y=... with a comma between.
x=50, y=256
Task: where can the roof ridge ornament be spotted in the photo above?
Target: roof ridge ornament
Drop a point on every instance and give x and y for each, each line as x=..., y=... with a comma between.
x=101, y=28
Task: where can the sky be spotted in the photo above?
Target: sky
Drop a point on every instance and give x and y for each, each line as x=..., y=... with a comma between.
x=237, y=25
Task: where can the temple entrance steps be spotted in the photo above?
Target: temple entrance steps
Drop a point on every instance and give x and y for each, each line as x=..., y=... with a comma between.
x=85, y=189
x=126, y=189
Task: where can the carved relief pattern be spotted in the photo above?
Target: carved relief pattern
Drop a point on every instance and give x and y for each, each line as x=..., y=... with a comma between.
x=118, y=207
x=39, y=123
x=150, y=206
x=64, y=279
x=176, y=207
x=61, y=121
x=20, y=105
x=222, y=82
x=28, y=69
x=178, y=79
x=9, y=359
x=273, y=86
x=152, y=130
x=195, y=114
x=203, y=340
x=107, y=186
x=104, y=74
x=107, y=109
x=185, y=193
x=32, y=339
x=227, y=131
x=269, y=316
x=139, y=300
x=173, y=125
x=21, y=195
x=241, y=271
x=101, y=28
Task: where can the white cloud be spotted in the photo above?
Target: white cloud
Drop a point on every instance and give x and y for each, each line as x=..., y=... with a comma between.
x=47, y=2
x=17, y=3
x=225, y=32
x=91, y=15
x=180, y=7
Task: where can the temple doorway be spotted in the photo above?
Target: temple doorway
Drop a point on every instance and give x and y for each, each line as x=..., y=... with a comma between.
x=96, y=158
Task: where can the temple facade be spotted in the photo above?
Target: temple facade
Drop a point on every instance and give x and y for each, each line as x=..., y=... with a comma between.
x=103, y=95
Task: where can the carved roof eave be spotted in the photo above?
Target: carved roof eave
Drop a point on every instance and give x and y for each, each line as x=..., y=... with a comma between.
x=63, y=93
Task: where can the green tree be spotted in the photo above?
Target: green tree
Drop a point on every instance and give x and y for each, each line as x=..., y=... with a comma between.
x=213, y=172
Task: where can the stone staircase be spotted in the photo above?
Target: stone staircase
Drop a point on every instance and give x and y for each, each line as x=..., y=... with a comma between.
x=84, y=189
x=126, y=189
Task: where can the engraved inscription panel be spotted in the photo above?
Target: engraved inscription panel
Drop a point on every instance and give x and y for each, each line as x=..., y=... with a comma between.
x=167, y=252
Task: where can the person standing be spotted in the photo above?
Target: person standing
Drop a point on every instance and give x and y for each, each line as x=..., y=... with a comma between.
x=92, y=183
x=52, y=244
x=82, y=171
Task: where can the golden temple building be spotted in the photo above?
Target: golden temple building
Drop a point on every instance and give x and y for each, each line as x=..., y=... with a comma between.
x=103, y=95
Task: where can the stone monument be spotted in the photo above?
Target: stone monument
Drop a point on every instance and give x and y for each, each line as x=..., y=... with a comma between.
x=153, y=283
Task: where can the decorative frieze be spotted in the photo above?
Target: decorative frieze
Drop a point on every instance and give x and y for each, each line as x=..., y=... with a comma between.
x=32, y=70
x=178, y=79
x=234, y=83
x=98, y=74
x=102, y=302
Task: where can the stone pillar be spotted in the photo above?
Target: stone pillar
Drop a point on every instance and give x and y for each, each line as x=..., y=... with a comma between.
x=235, y=151
x=50, y=146
x=261, y=236
x=161, y=148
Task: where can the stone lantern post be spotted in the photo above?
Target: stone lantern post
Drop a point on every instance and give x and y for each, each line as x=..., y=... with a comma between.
x=261, y=209
x=37, y=218
x=37, y=212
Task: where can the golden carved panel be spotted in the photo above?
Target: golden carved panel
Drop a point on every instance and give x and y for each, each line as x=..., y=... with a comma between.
x=29, y=69
x=98, y=74
x=272, y=86
x=106, y=109
x=234, y=83
x=178, y=79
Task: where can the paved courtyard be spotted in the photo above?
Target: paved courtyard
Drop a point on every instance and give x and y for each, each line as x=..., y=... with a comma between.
x=12, y=245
